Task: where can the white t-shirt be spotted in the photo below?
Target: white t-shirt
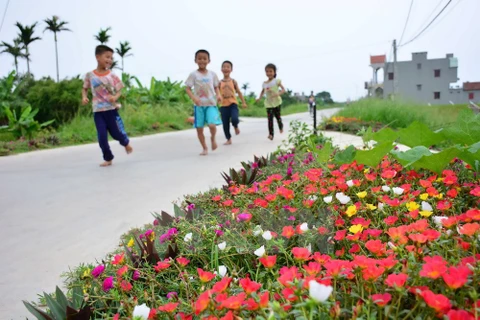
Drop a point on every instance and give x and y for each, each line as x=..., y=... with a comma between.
x=272, y=89
x=204, y=87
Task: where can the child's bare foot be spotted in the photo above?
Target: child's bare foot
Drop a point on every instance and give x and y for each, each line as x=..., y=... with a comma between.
x=214, y=144
x=129, y=149
x=270, y=137
x=229, y=142
x=204, y=153
x=106, y=164
x=237, y=131
x=281, y=131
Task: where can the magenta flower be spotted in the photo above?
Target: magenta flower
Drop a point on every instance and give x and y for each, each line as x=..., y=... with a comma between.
x=136, y=275
x=219, y=233
x=244, y=217
x=168, y=235
x=107, y=284
x=172, y=295
x=191, y=206
x=98, y=271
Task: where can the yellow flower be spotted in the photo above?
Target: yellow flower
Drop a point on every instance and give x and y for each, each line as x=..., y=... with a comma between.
x=439, y=180
x=366, y=171
x=351, y=211
x=371, y=206
x=130, y=243
x=425, y=214
x=152, y=236
x=424, y=196
x=439, y=196
x=412, y=206
x=362, y=194
x=356, y=228
x=86, y=273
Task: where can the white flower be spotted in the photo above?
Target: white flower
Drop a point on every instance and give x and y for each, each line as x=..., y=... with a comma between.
x=222, y=245
x=313, y=198
x=328, y=199
x=141, y=311
x=188, y=237
x=350, y=183
x=438, y=220
x=309, y=247
x=386, y=188
x=426, y=206
x=342, y=198
x=260, y=252
x=398, y=191
x=267, y=235
x=222, y=271
x=257, y=231
x=304, y=227
x=391, y=245
x=380, y=206
x=318, y=291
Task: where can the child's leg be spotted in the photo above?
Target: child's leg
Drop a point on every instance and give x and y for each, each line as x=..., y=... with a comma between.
x=213, y=119
x=270, y=122
x=200, y=115
x=117, y=129
x=235, y=120
x=201, y=138
x=225, y=111
x=102, y=133
x=213, y=132
x=276, y=112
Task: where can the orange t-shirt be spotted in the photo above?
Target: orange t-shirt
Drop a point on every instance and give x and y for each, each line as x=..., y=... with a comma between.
x=228, y=92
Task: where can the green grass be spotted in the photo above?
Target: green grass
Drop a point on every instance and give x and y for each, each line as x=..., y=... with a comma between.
x=261, y=112
x=398, y=114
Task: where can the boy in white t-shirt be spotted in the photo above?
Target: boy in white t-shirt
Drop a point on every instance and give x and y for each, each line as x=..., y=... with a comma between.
x=205, y=96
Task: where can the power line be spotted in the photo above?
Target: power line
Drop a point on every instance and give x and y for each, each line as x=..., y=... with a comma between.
x=428, y=25
x=406, y=22
x=429, y=16
x=4, y=14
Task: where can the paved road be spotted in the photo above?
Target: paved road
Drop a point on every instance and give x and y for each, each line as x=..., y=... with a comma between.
x=58, y=208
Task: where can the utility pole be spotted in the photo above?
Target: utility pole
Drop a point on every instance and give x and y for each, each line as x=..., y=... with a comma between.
x=395, y=70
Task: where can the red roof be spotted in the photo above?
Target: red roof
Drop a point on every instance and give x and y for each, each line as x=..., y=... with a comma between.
x=378, y=59
x=470, y=86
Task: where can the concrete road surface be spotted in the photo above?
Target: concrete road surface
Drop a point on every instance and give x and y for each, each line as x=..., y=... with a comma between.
x=58, y=208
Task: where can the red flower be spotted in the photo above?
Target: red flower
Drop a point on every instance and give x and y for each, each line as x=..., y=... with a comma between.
x=118, y=259
x=169, y=307
x=286, y=193
x=389, y=221
x=376, y=247
x=271, y=197
x=475, y=192
x=443, y=205
x=228, y=316
x=228, y=203
x=152, y=314
x=205, y=276
x=434, y=267
x=234, y=302
x=396, y=280
x=251, y=304
x=452, y=193
x=431, y=235
x=217, y=198
x=381, y=299
x=249, y=286
x=417, y=237
x=321, y=258
x=289, y=294
x=456, y=277
x=264, y=298
x=322, y=230
x=260, y=203
x=459, y=315
x=469, y=229
x=288, y=275
x=162, y=265
x=372, y=272
x=473, y=214
x=126, y=286
x=449, y=180
x=340, y=235
x=268, y=261
x=122, y=270
x=389, y=174
x=312, y=269
x=202, y=302
x=222, y=285
x=183, y=261
x=437, y=302
x=301, y=254
x=288, y=232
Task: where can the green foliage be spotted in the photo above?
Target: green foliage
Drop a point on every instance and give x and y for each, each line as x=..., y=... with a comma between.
x=159, y=92
x=24, y=126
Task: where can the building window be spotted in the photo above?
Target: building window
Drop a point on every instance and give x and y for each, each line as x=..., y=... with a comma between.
x=419, y=66
x=390, y=76
x=437, y=73
x=471, y=96
x=419, y=87
x=436, y=95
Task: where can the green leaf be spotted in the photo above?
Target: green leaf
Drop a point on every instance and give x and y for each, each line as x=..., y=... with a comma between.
x=324, y=154
x=373, y=157
x=384, y=135
x=345, y=156
x=406, y=158
x=474, y=148
x=55, y=307
x=37, y=312
x=61, y=298
x=77, y=294
x=25, y=113
x=472, y=156
x=466, y=130
x=178, y=211
x=419, y=134
x=368, y=135
x=47, y=123
x=437, y=161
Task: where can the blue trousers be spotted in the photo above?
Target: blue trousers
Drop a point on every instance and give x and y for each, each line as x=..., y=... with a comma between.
x=229, y=113
x=109, y=122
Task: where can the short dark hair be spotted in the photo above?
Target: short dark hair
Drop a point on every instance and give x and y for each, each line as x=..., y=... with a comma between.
x=226, y=61
x=273, y=67
x=202, y=51
x=101, y=49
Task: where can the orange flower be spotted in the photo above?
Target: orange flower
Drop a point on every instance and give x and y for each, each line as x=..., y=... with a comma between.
x=183, y=261
x=202, y=302
x=417, y=237
x=119, y=259
x=312, y=269
x=169, y=307
x=264, y=298
x=249, y=286
x=372, y=273
x=473, y=214
x=288, y=232
x=301, y=254
x=389, y=174
x=376, y=247
x=222, y=285
x=228, y=316
x=205, y=276
x=434, y=267
x=260, y=203
x=234, y=302
x=162, y=265
x=469, y=229
x=122, y=270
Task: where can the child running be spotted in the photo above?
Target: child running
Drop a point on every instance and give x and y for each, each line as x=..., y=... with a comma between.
x=273, y=89
x=106, y=90
x=229, y=107
x=205, y=88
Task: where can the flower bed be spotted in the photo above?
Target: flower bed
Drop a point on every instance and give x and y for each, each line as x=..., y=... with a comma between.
x=305, y=241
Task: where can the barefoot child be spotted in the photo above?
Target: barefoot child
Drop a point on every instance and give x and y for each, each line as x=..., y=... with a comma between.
x=106, y=90
x=229, y=108
x=273, y=89
x=205, y=88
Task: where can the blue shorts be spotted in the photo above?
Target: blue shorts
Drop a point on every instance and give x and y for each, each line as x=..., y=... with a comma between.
x=206, y=115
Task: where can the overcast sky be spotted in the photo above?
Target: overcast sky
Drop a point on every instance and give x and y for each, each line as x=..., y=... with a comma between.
x=317, y=45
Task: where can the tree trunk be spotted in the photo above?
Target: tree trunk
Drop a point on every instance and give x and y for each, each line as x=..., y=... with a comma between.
x=28, y=60
x=16, y=67
x=56, y=56
x=123, y=70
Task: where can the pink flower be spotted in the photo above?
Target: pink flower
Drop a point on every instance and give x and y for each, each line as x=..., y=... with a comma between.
x=98, y=271
x=107, y=284
x=244, y=217
x=136, y=275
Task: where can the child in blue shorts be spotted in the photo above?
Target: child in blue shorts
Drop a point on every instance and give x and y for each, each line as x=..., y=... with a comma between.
x=205, y=96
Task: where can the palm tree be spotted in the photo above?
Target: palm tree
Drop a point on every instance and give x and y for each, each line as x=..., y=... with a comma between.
x=102, y=36
x=15, y=50
x=245, y=87
x=114, y=65
x=55, y=25
x=123, y=51
x=26, y=37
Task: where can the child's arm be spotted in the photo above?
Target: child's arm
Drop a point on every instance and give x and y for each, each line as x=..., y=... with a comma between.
x=219, y=96
x=195, y=100
x=115, y=97
x=261, y=95
x=282, y=89
x=85, y=96
x=244, y=104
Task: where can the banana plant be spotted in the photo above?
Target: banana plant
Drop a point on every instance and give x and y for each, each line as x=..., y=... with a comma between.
x=25, y=125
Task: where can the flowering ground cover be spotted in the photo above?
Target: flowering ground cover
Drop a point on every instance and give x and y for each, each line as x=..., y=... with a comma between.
x=304, y=237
